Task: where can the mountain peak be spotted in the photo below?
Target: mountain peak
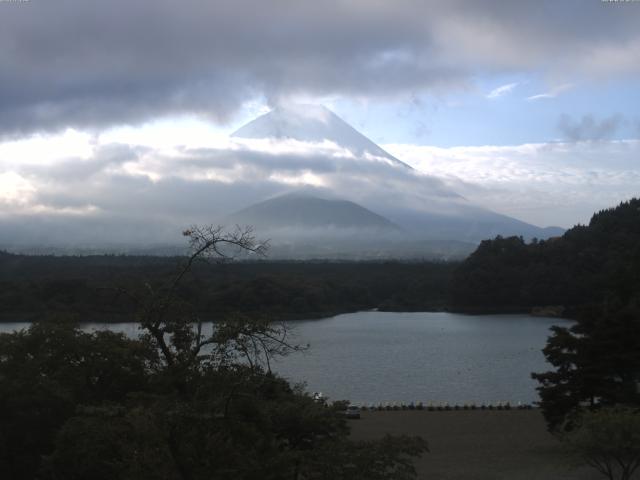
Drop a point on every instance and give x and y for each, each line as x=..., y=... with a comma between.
x=312, y=123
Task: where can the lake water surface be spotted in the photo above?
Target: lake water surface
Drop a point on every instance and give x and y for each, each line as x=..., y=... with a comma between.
x=371, y=357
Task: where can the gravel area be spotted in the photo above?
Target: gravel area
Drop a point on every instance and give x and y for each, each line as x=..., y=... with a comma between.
x=478, y=445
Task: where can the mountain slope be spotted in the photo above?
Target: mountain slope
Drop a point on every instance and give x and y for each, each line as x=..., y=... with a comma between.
x=311, y=123
x=303, y=226
x=421, y=204
x=307, y=211
x=466, y=222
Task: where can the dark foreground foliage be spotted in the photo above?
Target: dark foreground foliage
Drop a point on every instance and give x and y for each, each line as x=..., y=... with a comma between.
x=608, y=440
x=597, y=365
x=176, y=403
x=77, y=405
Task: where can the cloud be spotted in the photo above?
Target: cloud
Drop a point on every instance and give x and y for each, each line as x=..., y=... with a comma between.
x=500, y=91
x=553, y=183
x=126, y=193
x=81, y=170
x=91, y=64
x=15, y=190
x=158, y=192
x=553, y=93
x=588, y=128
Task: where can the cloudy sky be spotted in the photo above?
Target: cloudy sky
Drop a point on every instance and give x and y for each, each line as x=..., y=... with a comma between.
x=530, y=108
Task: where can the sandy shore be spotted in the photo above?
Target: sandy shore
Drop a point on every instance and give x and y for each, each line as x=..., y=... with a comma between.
x=478, y=445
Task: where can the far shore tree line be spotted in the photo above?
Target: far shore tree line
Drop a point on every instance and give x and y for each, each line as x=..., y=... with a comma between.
x=36, y=286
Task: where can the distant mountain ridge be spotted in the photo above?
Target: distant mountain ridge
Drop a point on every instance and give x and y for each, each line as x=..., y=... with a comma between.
x=299, y=209
x=301, y=225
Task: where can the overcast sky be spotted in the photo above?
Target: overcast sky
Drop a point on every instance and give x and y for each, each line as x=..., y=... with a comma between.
x=530, y=108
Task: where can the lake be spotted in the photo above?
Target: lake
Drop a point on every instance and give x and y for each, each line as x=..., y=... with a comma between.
x=371, y=357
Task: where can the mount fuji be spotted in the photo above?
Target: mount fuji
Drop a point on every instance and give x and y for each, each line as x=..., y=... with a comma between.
x=314, y=124
x=421, y=206
x=299, y=174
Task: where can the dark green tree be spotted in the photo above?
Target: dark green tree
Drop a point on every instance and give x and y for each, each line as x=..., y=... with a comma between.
x=597, y=363
x=587, y=266
x=46, y=372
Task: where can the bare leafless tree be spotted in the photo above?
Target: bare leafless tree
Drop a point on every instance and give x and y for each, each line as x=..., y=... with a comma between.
x=175, y=327
x=170, y=321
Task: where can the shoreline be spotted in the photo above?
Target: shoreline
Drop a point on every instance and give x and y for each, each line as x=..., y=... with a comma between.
x=115, y=318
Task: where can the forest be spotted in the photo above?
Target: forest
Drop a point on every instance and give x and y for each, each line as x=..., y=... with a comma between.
x=33, y=286
x=589, y=265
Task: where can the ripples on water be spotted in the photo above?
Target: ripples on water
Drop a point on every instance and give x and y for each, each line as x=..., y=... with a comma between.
x=402, y=357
